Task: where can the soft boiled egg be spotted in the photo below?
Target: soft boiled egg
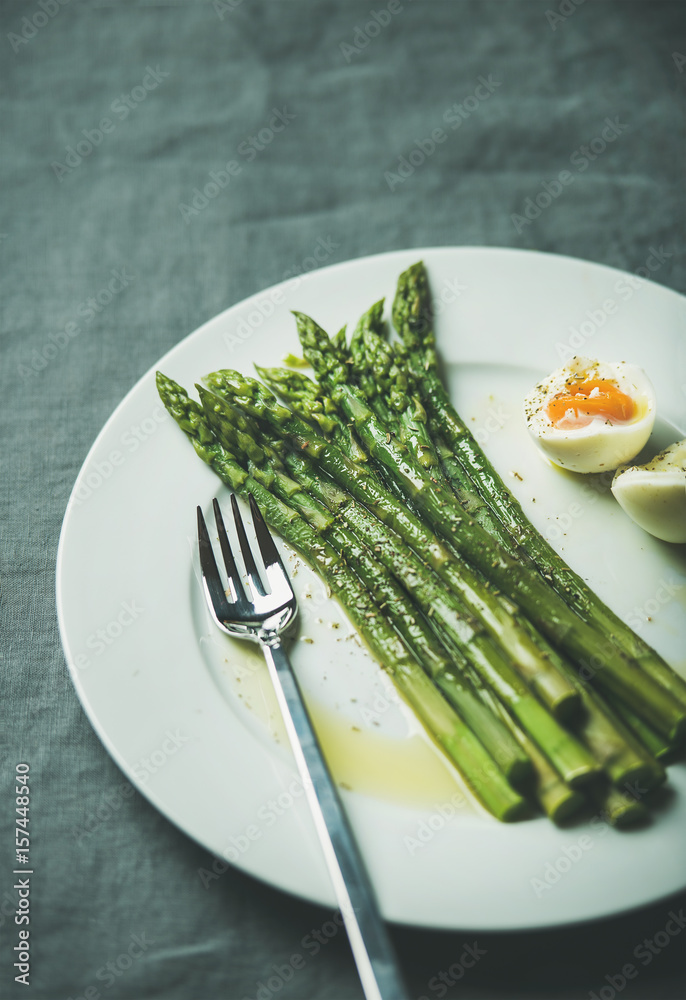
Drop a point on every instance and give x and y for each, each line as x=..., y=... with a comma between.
x=591, y=416
x=654, y=494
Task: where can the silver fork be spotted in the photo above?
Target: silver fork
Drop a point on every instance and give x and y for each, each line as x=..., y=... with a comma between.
x=263, y=618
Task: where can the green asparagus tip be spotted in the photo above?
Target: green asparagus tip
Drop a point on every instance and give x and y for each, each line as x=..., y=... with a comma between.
x=305, y=323
x=228, y=382
x=412, y=312
x=274, y=376
x=185, y=411
x=293, y=381
x=174, y=397
x=246, y=393
x=415, y=276
x=376, y=311
x=167, y=386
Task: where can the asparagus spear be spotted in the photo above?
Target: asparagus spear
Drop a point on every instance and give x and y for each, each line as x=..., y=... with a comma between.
x=305, y=397
x=618, y=808
x=559, y=801
x=412, y=318
x=471, y=501
x=618, y=673
x=442, y=722
x=500, y=617
x=624, y=759
x=658, y=746
x=309, y=402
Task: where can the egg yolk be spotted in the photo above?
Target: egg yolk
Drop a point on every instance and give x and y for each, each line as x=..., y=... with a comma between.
x=585, y=401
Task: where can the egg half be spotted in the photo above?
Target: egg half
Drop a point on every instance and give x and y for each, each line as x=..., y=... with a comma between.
x=591, y=416
x=654, y=494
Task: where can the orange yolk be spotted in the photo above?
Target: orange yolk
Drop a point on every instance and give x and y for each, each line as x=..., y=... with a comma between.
x=581, y=403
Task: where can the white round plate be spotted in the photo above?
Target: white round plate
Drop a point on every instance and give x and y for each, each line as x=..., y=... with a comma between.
x=188, y=714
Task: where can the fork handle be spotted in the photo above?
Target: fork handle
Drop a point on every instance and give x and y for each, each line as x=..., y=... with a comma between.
x=369, y=940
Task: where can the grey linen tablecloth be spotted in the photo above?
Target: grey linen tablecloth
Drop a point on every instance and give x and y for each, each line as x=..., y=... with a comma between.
x=113, y=114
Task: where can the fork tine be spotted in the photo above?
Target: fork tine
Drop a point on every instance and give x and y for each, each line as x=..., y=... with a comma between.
x=210, y=572
x=229, y=561
x=265, y=541
x=274, y=569
x=248, y=559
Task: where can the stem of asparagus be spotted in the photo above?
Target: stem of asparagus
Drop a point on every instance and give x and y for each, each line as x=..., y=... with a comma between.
x=558, y=800
x=412, y=317
x=510, y=757
x=656, y=745
x=471, y=501
x=618, y=808
x=442, y=722
x=624, y=759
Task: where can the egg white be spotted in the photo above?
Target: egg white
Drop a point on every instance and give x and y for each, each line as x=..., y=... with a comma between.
x=654, y=494
x=600, y=445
